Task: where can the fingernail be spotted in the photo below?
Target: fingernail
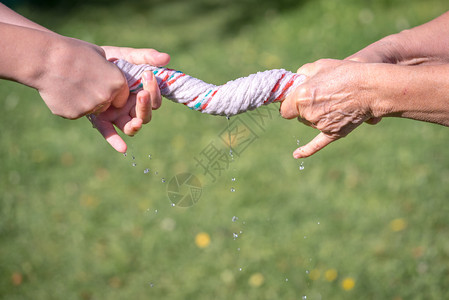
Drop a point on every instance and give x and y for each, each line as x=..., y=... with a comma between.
x=297, y=153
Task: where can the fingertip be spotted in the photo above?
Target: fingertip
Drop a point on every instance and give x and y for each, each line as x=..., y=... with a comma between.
x=133, y=126
x=117, y=143
x=298, y=153
x=162, y=59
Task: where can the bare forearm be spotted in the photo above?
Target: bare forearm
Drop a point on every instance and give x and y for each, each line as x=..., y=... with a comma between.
x=414, y=92
x=424, y=44
x=22, y=53
x=11, y=17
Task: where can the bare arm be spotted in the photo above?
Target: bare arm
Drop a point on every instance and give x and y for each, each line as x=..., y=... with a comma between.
x=338, y=96
x=424, y=44
x=11, y=17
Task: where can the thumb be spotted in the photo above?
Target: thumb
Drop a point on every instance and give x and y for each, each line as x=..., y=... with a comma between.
x=315, y=145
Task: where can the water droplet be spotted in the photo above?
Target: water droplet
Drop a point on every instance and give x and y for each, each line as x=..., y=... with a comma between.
x=241, y=231
x=234, y=218
x=149, y=156
x=134, y=157
x=232, y=189
x=305, y=237
x=156, y=172
x=173, y=205
x=238, y=249
x=235, y=235
x=301, y=166
x=233, y=178
x=318, y=223
x=286, y=279
x=307, y=272
x=163, y=180
x=228, y=117
x=125, y=154
x=146, y=171
x=231, y=154
x=151, y=284
x=134, y=164
x=297, y=142
x=243, y=222
x=240, y=269
x=304, y=297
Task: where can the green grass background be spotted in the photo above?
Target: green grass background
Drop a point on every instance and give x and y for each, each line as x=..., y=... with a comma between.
x=78, y=220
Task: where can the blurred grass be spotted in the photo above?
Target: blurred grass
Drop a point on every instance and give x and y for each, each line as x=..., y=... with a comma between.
x=78, y=221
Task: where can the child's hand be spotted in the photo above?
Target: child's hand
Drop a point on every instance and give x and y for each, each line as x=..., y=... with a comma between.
x=132, y=116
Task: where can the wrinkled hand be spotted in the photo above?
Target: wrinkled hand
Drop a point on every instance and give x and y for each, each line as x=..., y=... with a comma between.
x=138, y=109
x=332, y=99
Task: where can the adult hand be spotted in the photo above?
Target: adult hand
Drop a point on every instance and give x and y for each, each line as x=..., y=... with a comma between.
x=332, y=99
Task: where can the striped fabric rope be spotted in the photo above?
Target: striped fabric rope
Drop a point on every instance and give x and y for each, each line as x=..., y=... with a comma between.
x=234, y=97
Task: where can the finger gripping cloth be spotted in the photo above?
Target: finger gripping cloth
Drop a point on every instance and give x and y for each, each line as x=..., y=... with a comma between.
x=236, y=96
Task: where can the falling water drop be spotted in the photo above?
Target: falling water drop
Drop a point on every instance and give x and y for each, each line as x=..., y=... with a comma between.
x=125, y=154
x=286, y=279
x=156, y=172
x=240, y=269
x=232, y=189
x=297, y=142
x=301, y=166
x=134, y=164
x=234, y=218
x=155, y=211
x=172, y=205
x=233, y=179
x=163, y=180
x=149, y=156
x=146, y=171
x=151, y=284
x=235, y=235
x=304, y=297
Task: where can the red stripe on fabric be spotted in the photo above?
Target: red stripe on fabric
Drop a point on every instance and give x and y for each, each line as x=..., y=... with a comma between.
x=286, y=87
x=275, y=88
x=207, y=103
x=135, y=83
x=191, y=100
x=174, y=79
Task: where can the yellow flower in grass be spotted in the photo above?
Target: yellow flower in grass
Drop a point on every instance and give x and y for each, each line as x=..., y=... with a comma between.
x=330, y=275
x=256, y=280
x=202, y=240
x=348, y=283
x=398, y=224
x=315, y=274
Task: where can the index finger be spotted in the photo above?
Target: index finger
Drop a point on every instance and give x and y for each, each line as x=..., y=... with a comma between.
x=315, y=145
